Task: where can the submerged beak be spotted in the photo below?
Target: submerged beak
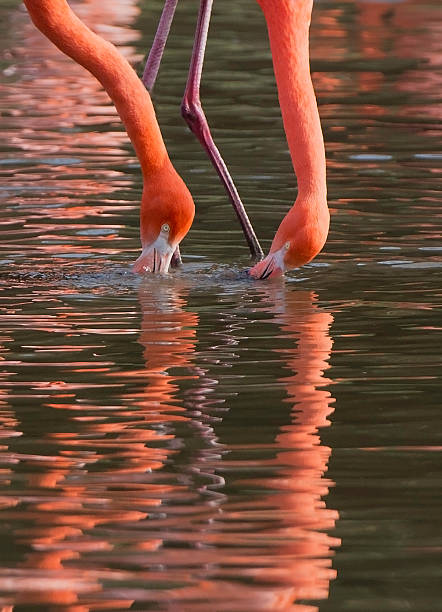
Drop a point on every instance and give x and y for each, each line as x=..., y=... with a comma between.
x=155, y=257
x=271, y=266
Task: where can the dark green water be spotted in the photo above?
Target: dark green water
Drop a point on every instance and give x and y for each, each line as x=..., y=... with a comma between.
x=203, y=442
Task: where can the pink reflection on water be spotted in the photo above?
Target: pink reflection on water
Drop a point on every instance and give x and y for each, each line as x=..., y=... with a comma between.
x=97, y=473
x=87, y=505
x=65, y=139
x=306, y=547
x=271, y=551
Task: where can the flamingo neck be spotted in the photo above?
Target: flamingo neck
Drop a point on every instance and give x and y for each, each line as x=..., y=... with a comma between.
x=58, y=22
x=288, y=23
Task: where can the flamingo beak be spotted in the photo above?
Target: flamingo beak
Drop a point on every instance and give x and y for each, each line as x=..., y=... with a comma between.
x=155, y=257
x=271, y=266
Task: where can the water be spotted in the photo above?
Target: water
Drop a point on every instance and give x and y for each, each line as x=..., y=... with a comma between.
x=204, y=442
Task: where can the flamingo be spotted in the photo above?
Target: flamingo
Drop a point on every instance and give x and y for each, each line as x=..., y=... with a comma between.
x=167, y=208
x=303, y=231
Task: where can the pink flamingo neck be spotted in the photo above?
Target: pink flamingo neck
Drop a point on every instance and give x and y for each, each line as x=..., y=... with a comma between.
x=58, y=22
x=288, y=23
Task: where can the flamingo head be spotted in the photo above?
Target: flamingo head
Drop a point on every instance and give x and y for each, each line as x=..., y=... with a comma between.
x=299, y=238
x=167, y=212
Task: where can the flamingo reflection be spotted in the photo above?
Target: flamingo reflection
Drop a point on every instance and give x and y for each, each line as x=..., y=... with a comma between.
x=302, y=564
x=277, y=567
x=97, y=479
x=168, y=335
x=301, y=484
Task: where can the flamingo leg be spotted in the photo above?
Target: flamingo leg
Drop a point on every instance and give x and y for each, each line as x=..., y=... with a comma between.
x=156, y=53
x=194, y=116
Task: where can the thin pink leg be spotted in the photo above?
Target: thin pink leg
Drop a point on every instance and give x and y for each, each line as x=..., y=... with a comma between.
x=193, y=113
x=156, y=53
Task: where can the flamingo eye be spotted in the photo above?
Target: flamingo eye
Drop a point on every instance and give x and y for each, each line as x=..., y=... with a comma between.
x=165, y=227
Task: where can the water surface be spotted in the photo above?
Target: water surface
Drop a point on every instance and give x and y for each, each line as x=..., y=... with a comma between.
x=204, y=442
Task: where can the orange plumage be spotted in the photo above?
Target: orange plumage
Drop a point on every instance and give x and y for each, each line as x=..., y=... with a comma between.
x=304, y=229
x=167, y=208
x=166, y=201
